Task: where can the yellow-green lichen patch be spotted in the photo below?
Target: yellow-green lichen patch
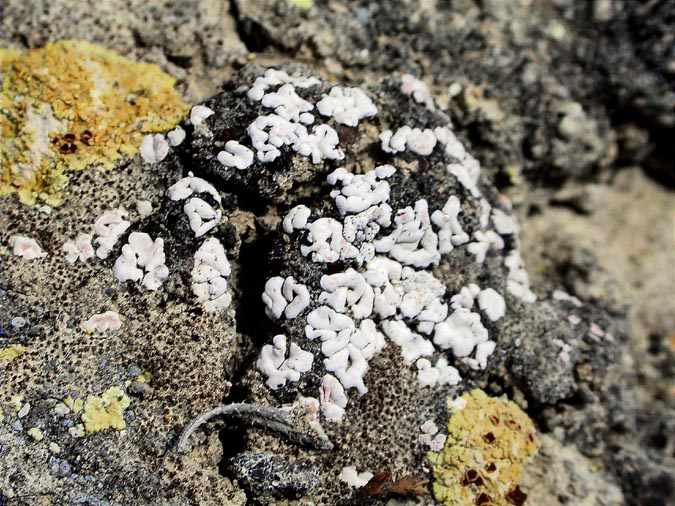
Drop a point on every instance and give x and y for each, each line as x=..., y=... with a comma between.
x=73, y=104
x=303, y=4
x=106, y=411
x=9, y=353
x=74, y=405
x=489, y=441
x=36, y=434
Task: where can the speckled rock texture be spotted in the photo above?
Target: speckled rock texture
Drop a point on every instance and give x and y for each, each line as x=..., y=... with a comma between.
x=568, y=106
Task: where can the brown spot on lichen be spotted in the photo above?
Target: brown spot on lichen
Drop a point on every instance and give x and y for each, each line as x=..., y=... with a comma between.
x=516, y=496
x=70, y=90
x=483, y=499
x=489, y=437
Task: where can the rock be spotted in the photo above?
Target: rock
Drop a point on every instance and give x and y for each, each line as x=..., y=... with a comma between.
x=549, y=111
x=560, y=475
x=79, y=118
x=267, y=476
x=537, y=345
x=194, y=40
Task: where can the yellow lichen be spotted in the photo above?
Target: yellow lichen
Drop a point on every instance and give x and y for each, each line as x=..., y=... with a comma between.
x=71, y=105
x=106, y=411
x=489, y=441
x=74, y=405
x=36, y=434
x=9, y=353
x=303, y=4
x=144, y=377
x=16, y=402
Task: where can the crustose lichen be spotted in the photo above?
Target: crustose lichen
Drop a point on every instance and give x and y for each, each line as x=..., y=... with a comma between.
x=489, y=441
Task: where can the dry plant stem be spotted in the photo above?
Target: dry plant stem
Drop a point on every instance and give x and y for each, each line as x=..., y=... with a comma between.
x=274, y=419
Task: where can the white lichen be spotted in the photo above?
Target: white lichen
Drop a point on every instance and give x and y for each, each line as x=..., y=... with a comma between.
x=413, y=346
x=102, y=322
x=285, y=296
x=199, y=114
x=210, y=273
x=353, y=478
x=518, y=281
x=26, y=247
x=436, y=375
x=296, y=219
x=347, y=105
x=154, y=148
x=450, y=233
x=413, y=241
x=142, y=259
x=144, y=208
x=191, y=185
x=492, y=304
x=289, y=105
x=273, y=77
x=108, y=228
x=418, y=89
x=79, y=249
x=461, y=332
x=333, y=399
x=431, y=437
x=176, y=136
x=236, y=155
x=421, y=142
x=201, y=215
x=484, y=242
x=280, y=368
x=319, y=145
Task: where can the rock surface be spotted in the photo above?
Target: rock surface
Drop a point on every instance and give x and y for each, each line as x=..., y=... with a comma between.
x=98, y=378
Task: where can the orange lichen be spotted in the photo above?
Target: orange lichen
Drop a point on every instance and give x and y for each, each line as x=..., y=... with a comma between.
x=71, y=105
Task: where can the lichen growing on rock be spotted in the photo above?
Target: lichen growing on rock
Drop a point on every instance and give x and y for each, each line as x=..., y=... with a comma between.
x=73, y=104
x=9, y=353
x=489, y=441
x=106, y=411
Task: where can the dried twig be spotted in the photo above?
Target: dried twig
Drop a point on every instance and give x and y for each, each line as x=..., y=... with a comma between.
x=275, y=419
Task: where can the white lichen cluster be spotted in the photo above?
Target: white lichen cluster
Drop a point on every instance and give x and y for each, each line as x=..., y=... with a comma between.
x=105, y=232
x=156, y=147
x=209, y=276
x=431, y=437
x=203, y=216
x=142, y=259
x=280, y=368
x=211, y=269
x=26, y=247
x=79, y=248
x=418, y=90
x=108, y=228
x=387, y=291
x=285, y=296
x=288, y=124
x=102, y=322
x=353, y=478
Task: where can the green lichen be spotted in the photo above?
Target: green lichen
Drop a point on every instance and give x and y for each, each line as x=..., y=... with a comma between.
x=489, y=441
x=71, y=105
x=105, y=412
